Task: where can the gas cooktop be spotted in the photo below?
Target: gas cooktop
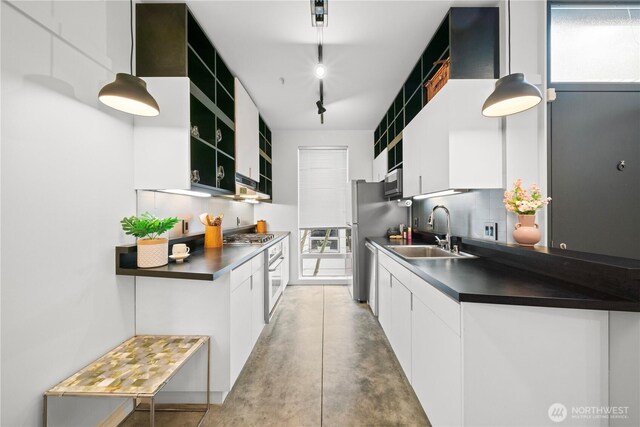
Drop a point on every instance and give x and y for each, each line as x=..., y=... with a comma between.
x=247, y=239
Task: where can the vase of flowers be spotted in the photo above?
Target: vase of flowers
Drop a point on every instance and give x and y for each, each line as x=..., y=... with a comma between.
x=153, y=251
x=525, y=203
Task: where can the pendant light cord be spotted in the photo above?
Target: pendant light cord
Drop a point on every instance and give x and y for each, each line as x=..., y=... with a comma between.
x=509, y=32
x=131, y=25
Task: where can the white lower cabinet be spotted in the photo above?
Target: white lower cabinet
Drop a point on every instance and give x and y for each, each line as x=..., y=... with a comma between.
x=384, y=300
x=230, y=310
x=436, y=374
x=401, y=324
x=257, y=298
x=247, y=311
x=475, y=364
x=240, y=334
x=286, y=262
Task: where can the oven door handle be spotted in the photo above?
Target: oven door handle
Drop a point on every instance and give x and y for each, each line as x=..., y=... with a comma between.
x=276, y=264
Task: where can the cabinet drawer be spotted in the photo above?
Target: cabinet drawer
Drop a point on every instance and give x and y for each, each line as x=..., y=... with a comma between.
x=397, y=270
x=442, y=306
x=240, y=274
x=257, y=262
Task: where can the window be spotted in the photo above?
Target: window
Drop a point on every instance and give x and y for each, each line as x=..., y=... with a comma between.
x=594, y=42
x=325, y=249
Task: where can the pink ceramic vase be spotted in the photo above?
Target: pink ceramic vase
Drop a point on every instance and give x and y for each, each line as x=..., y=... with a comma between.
x=527, y=232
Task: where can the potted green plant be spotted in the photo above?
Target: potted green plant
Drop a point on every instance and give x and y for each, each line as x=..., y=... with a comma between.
x=153, y=251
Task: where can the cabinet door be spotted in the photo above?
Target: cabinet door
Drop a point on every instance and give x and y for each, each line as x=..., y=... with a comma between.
x=435, y=174
x=240, y=331
x=436, y=366
x=380, y=166
x=401, y=324
x=384, y=300
x=414, y=137
x=257, y=304
x=285, y=263
x=247, y=134
x=203, y=160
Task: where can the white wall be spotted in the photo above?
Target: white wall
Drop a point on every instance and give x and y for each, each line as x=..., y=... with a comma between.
x=526, y=132
x=282, y=214
x=67, y=178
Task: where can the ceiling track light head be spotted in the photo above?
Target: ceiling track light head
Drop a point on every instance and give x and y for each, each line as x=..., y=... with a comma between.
x=321, y=109
x=319, y=13
x=320, y=70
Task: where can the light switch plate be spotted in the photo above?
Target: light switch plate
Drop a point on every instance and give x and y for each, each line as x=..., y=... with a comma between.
x=490, y=231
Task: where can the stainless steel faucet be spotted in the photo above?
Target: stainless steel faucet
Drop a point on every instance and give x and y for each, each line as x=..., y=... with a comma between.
x=447, y=242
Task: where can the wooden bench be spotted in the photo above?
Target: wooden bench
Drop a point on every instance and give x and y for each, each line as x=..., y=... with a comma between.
x=138, y=368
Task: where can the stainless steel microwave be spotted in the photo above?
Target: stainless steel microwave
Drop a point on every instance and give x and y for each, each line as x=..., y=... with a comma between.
x=393, y=183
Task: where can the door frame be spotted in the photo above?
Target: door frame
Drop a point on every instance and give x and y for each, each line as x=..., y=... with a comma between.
x=573, y=87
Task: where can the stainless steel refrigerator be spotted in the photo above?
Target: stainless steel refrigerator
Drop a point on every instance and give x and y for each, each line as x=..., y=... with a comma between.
x=371, y=216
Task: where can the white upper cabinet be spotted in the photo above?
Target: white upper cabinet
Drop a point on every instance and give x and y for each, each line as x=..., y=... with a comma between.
x=380, y=166
x=450, y=144
x=247, y=134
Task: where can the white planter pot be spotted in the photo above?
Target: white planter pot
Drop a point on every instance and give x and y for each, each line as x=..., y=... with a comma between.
x=153, y=253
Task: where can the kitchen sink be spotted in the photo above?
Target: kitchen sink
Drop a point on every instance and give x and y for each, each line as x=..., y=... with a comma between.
x=425, y=252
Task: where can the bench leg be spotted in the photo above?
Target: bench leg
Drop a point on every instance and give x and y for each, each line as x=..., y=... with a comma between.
x=152, y=412
x=208, y=372
x=44, y=412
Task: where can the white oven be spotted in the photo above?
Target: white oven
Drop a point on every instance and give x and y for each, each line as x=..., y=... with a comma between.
x=274, y=284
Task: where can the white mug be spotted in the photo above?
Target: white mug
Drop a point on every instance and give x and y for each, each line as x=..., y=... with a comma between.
x=180, y=249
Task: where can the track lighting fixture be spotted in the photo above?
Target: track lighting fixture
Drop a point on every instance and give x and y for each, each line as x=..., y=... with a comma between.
x=321, y=109
x=319, y=13
x=320, y=71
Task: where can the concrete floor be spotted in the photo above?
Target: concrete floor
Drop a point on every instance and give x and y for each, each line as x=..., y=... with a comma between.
x=322, y=361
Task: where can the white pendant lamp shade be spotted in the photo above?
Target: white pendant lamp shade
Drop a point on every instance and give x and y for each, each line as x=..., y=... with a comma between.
x=129, y=94
x=513, y=94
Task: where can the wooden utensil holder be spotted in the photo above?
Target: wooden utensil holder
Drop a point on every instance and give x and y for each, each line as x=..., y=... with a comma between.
x=213, y=236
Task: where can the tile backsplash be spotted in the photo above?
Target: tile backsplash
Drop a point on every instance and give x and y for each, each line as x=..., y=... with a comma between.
x=189, y=208
x=469, y=212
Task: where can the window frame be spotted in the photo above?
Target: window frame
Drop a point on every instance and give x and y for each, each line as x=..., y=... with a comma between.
x=584, y=86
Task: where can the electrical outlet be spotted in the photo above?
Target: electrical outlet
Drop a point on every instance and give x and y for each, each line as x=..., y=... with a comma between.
x=490, y=231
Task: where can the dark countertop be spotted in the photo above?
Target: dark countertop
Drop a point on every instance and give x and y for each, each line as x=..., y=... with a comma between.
x=484, y=281
x=202, y=264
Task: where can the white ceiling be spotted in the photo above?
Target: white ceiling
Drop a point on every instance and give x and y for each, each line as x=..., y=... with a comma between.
x=369, y=49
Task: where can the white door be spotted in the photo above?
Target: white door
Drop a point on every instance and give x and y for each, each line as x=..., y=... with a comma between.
x=384, y=300
x=257, y=304
x=435, y=151
x=247, y=134
x=414, y=136
x=240, y=331
x=436, y=374
x=380, y=166
x=401, y=324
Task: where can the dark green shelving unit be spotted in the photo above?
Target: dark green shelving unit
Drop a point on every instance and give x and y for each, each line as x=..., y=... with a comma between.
x=266, y=176
x=469, y=36
x=171, y=43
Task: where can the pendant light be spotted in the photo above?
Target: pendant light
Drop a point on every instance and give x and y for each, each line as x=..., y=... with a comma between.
x=513, y=94
x=127, y=92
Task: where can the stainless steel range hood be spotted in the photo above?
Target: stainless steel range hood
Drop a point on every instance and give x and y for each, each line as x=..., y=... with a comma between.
x=247, y=190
